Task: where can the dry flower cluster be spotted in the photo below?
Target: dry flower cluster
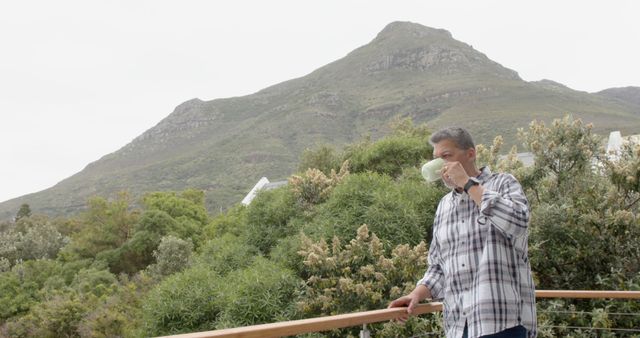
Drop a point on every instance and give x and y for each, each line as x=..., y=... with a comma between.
x=314, y=186
x=359, y=275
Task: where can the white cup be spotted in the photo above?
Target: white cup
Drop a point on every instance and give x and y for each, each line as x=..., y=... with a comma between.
x=431, y=170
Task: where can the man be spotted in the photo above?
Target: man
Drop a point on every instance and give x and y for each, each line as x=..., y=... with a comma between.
x=478, y=262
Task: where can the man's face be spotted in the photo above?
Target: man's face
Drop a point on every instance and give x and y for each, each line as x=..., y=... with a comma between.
x=448, y=151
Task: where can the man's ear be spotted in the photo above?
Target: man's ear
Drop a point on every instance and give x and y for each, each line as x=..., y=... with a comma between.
x=471, y=152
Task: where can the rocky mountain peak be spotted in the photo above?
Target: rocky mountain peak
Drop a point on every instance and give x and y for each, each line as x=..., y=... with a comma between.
x=409, y=29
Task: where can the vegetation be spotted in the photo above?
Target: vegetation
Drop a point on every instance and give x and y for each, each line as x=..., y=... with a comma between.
x=348, y=233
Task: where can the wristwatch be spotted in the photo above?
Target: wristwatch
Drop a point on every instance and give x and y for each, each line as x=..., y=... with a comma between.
x=470, y=183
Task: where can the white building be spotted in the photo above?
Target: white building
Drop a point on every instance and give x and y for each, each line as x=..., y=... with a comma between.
x=617, y=142
x=263, y=184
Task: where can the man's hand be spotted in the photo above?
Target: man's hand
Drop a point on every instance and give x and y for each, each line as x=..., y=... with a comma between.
x=454, y=174
x=410, y=301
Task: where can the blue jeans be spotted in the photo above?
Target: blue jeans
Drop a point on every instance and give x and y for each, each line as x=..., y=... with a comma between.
x=514, y=332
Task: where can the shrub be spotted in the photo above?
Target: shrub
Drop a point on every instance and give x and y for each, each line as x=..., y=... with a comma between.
x=388, y=155
x=188, y=301
x=399, y=211
x=268, y=218
x=226, y=254
x=233, y=221
x=58, y=316
x=261, y=293
x=358, y=276
x=286, y=254
x=173, y=255
x=314, y=186
x=189, y=203
x=323, y=158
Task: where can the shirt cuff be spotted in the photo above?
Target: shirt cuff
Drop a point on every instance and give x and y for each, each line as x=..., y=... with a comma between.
x=433, y=282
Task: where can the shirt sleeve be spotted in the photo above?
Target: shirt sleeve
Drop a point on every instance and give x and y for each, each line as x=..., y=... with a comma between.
x=434, y=276
x=507, y=209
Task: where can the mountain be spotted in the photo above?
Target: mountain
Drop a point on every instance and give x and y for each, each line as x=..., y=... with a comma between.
x=224, y=146
x=629, y=95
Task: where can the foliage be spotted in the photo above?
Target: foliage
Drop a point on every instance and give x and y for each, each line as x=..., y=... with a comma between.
x=491, y=157
x=225, y=254
x=285, y=253
x=562, y=152
x=180, y=270
x=173, y=255
x=20, y=287
x=188, y=301
x=58, y=316
x=167, y=213
x=359, y=276
x=120, y=313
x=188, y=204
x=24, y=211
x=389, y=155
x=269, y=218
x=314, y=186
x=199, y=299
x=234, y=221
x=107, y=225
x=30, y=239
x=261, y=293
x=323, y=158
x=399, y=211
x=624, y=171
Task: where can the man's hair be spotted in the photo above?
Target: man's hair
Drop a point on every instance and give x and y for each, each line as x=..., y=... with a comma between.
x=459, y=136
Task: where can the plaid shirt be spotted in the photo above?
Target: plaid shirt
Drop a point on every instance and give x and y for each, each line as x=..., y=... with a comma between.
x=478, y=261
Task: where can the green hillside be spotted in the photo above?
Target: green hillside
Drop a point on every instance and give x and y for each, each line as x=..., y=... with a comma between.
x=224, y=146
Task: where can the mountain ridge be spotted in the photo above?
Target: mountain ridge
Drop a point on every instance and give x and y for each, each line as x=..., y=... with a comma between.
x=225, y=145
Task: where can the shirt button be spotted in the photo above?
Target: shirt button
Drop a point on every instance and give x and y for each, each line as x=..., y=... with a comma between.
x=462, y=264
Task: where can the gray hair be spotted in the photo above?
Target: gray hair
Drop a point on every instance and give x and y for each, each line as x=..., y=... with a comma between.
x=459, y=136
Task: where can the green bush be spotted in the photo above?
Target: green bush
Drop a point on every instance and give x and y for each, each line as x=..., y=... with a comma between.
x=189, y=203
x=285, y=254
x=20, y=287
x=120, y=314
x=399, y=211
x=269, y=216
x=226, y=254
x=188, y=301
x=94, y=281
x=233, y=221
x=323, y=158
x=388, y=155
x=261, y=293
x=57, y=316
x=173, y=255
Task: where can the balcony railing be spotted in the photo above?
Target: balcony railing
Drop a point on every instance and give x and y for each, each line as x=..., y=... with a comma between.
x=319, y=324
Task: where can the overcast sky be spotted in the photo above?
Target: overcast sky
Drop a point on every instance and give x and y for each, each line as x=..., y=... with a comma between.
x=80, y=79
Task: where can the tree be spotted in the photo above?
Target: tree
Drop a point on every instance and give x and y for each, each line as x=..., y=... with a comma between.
x=24, y=211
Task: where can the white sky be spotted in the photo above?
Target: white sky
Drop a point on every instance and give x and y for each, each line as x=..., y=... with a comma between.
x=80, y=79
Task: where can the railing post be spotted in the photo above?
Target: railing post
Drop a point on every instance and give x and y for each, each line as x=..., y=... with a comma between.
x=364, y=333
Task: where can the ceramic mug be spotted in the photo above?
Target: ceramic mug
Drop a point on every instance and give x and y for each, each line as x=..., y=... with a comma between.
x=431, y=170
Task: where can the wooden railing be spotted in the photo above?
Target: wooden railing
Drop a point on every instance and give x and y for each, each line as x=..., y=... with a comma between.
x=295, y=327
